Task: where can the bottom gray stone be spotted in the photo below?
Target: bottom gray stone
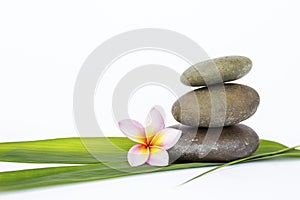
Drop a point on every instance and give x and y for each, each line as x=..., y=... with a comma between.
x=219, y=145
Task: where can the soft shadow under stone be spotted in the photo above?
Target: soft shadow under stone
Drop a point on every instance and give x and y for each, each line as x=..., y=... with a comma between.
x=234, y=142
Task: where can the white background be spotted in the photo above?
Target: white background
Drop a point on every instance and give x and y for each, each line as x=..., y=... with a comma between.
x=42, y=48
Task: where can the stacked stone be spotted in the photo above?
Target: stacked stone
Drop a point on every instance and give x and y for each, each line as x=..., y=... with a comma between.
x=227, y=139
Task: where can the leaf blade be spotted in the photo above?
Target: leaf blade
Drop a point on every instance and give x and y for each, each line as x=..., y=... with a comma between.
x=32, y=178
x=64, y=150
x=73, y=150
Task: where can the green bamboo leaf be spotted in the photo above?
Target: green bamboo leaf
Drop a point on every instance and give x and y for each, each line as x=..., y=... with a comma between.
x=266, y=146
x=23, y=179
x=65, y=150
x=32, y=178
x=72, y=150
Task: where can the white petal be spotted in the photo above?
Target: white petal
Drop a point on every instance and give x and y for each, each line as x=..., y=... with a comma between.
x=154, y=123
x=138, y=155
x=158, y=157
x=166, y=138
x=133, y=130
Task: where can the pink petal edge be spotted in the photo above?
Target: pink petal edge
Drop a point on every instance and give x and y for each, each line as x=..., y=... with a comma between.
x=138, y=155
x=166, y=138
x=158, y=157
x=154, y=123
x=133, y=130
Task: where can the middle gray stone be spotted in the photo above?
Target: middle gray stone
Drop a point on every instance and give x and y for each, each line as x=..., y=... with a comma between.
x=194, y=108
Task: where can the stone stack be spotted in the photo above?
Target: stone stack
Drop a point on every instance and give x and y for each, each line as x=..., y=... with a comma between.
x=209, y=116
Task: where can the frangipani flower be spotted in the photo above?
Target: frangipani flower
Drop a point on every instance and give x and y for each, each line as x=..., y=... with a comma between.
x=153, y=140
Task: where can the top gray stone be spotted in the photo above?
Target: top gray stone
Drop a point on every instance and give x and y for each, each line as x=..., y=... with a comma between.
x=217, y=70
